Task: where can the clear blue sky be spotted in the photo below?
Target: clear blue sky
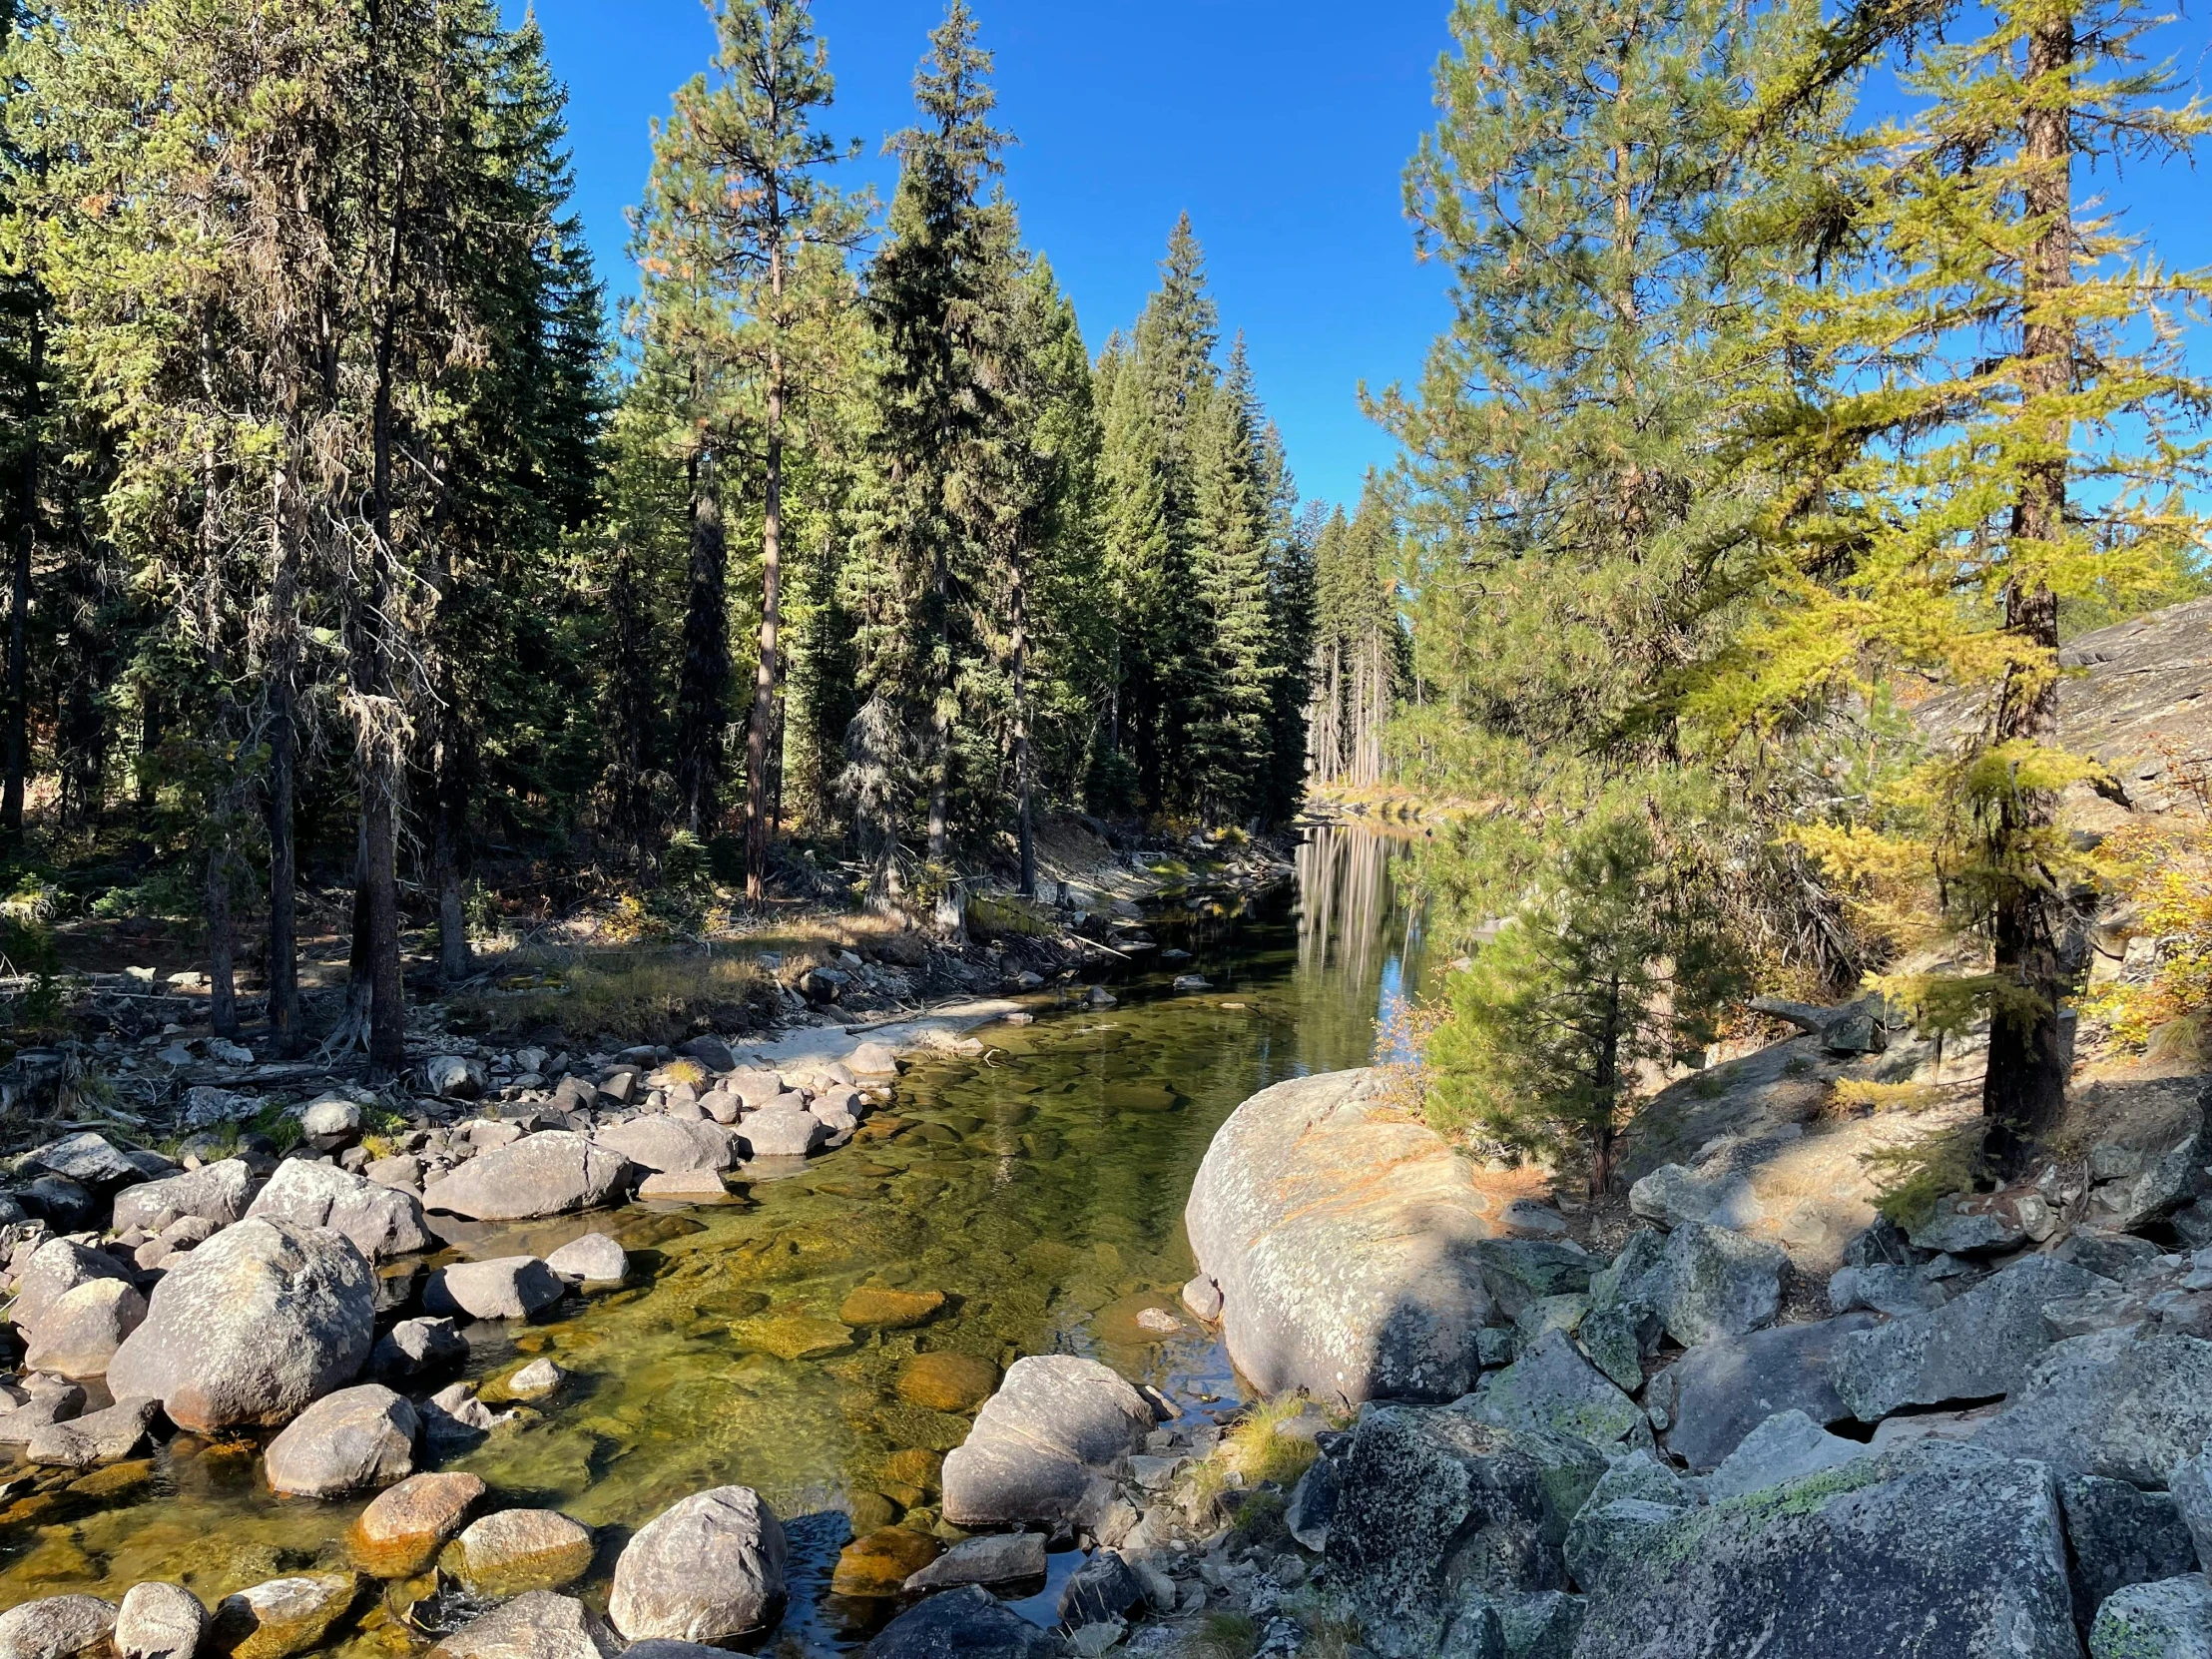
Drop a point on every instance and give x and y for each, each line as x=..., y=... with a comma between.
x=1282, y=125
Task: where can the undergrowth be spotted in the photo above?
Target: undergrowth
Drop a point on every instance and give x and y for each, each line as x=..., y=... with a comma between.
x=1909, y=1178
x=657, y=997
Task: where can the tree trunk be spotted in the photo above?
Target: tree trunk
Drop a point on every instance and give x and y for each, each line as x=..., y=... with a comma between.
x=1024, y=822
x=149, y=742
x=19, y=600
x=284, y=952
x=705, y=677
x=223, y=996
x=758, y=829
x=449, y=823
x=2024, y=1090
x=379, y=753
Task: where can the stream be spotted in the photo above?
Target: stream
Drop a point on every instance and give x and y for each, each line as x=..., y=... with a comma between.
x=1039, y=1186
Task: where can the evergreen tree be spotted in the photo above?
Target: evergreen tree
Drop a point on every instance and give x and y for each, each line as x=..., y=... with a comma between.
x=1231, y=675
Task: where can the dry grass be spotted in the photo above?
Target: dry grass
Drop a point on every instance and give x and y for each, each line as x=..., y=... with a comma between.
x=643, y=995
x=1256, y=1451
x=1220, y=1635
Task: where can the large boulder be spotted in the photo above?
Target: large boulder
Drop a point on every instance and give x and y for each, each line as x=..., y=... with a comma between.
x=1788, y=1447
x=2111, y=1404
x=704, y=1569
x=781, y=1132
x=1519, y=1271
x=1552, y=1387
x=967, y=1623
x=512, y=1551
x=215, y=1191
x=86, y=1158
x=1718, y=1392
x=1431, y=1503
x=2116, y=1535
x=1704, y=1282
x=1047, y=1447
x=382, y=1220
x=539, y=1626
x=55, y=1627
x=1932, y=1551
x=80, y=1330
x=665, y=1144
x=549, y=1174
x=1344, y=1241
x=345, y=1442
x=2169, y=1619
x=159, y=1622
x=251, y=1327
x=505, y=1287
x=1974, y=1347
x=56, y=1268
x=104, y=1437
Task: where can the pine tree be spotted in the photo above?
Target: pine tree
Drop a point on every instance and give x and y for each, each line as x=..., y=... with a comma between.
x=1231, y=676
x=1139, y=565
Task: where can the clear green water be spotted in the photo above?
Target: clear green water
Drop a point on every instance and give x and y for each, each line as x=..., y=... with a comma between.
x=1041, y=1187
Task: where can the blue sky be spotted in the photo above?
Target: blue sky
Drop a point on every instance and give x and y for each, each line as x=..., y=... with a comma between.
x=1282, y=125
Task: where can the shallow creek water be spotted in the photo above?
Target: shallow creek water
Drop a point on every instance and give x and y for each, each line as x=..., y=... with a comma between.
x=1039, y=1186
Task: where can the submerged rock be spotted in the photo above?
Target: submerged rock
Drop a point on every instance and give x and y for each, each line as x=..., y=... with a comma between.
x=400, y=1533
x=514, y=1550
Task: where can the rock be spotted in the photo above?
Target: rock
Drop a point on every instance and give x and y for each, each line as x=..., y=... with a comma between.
x=1976, y=1347
x=1618, y=1338
x=206, y=1107
x=106, y=1436
x=945, y=1381
x=49, y=1400
x=754, y=1086
x=505, y=1287
x=1541, y=1625
x=990, y=1558
x=454, y=1077
x=514, y=1550
x=1047, y=1447
x=1614, y=1531
x=1705, y=1282
x=345, y=1442
x=706, y=1569
x=594, y=1258
x=1673, y=1196
x=1518, y=1272
x=967, y=1623
x=80, y=1330
x=691, y=1186
x=217, y=1192
x=282, y=1616
x=670, y=1145
x=1718, y=1392
x=879, y=1308
x=879, y=1563
x=1787, y=1447
x=382, y=1220
x=2190, y=1482
x=2110, y=1404
x=85, y=1158
x=711, y=1053
x=2114, y=1256
x=1552, y=1387
x=1313, y=1502
x=1894, y=1291
x=55, y=1627
x=159, y=1622
x=1313, y=1171
x=414, y=1347
x=1431, y=1503
x=56, y=1268
x=1969, y=1226
x=402, y=1171
x=792, y=1336
x=1104, y=1587
x=251, y=1327
x=549, y=1174
x=539, y=1626
x=332, y=1122
x=1933, y=1551
x=1203, y=1297
x=536, y=1381
x=59, y=1203
x=400, y=1533
x=873, y=1059
x=781, y=1132
x=2117, y=1535
x=2171, y=1619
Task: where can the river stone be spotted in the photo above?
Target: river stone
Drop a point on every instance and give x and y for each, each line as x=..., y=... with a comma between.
x=414, y=1347
x=400, y=1531
x=512, y=1550
x=106, y=1436
x=539, y=1626
x=1047, y=1447
x=989, y=1559
x=1552, y=1387
x=2117, y=1535
x=56, y=1268
x=217, y=1192
x=539, y=1379
x=879, y=1563
x=594, y=1258
x=505, y=1287
x=945, y=1381
x=80, y=1330
x=159, y=1622
x=1705, y=1282
x=282, y=1616
x=1518, y=1272
x=548, y=1174
x=686, y=1186
x=1342, y=1238
x=781, y=1132
x=967, y=1623
x=1973, y=1348
x=1932, y=1551
x=1788, y=1447
x=1719, y=1392
x=252, y=1326
x=85, y=1158
x=793, y=1335
x=382, y=1220
x=455, y=1076
x=879, y=1308
x=55, y=1627
x=332, y=1122
x=48, y=1400
x=1430, y=1504
x=2110, y=1404
x=1103, y=1590
x=345, y=1442
x=704, y=1569
x=2170, y=1619
x=666, y=1145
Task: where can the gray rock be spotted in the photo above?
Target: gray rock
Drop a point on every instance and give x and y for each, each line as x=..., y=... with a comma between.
x=1431, y=1503
x=506, y=1288
x=55, y=1627
x=1518, y=1272
x=549, y=1174
x=347, y=1441
x=1203, y=1297
x=206, y=1106
x=251, y=1327
x=1788, y=1447
x=455, y=1077
x=594, y=1258
x=1618, y=1338
x=2171, y=1619
x=781, y=1132
x=414, y=1347
x=282, y=1616
x=1047, y=1447
x=1343, y=1239
x=159, y=1622
x=2117, y=1535
x=1604, y=1534
x=2190, y=1482
x=711, y=1053
x=2157, y=1182
x=218, y=1192
x=382, y=1220
x=2110, y=1404
x=1674, y=1196
x=1103, y=1588
x=2116, y=1256
x=665, y=1144
x=85, y=1158
x=989, y=1559
x=1885, y=1288
x=47, y=1401
x=1552, y=1387
x=702, y=1570
x=1718, y=1392
x=1974, y=1347
x=80, y=1330
x=1541, y=1625
x=538, y=1625
x=106, y=1436
x=1705, y=1282
x=536, y=1381
x=56, y=1268
x=1313, y=1502
x=332, y=1122
x=1968, y=1227
x=61, y=1203
x=967, y=1623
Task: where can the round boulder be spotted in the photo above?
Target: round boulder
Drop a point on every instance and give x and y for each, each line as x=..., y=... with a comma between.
x=704, y=1570
x=55, y=1627
x=217, y=1192
x=345, y=1442
x=549, y=1174
x=514, y=1551
x=159, y=1622
x=593, y=1259
x=506, y=1288
x=80, y=1330
x=539, y=1626
x=382, y=1220
x=400, y=1533
x=282, y=1616
x=56, y=1268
